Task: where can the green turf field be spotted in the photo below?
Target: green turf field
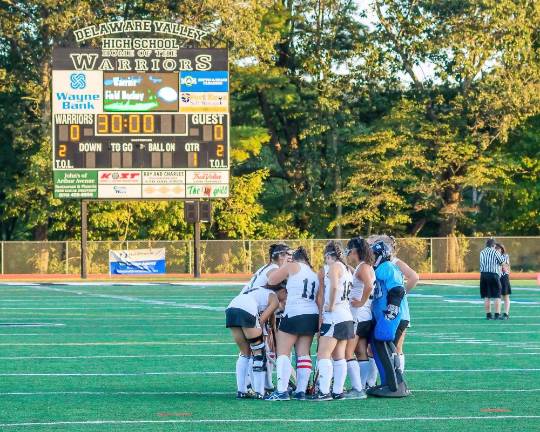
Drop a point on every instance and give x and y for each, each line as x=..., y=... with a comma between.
x=143, y=357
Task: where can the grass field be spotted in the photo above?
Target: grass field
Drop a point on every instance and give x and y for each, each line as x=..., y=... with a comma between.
x=145, y=357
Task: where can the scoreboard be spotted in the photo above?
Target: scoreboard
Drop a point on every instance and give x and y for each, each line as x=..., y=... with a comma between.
x=147, y=123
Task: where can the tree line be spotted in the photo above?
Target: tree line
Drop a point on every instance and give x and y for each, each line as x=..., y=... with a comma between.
x=410, y=117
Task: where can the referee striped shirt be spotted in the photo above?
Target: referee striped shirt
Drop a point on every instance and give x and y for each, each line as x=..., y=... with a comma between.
x=490, y=260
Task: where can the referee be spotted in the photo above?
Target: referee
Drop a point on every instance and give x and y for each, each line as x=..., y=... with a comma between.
x=490, y=283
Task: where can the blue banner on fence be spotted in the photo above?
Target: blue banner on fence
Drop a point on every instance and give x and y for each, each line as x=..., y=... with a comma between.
x=137, y=261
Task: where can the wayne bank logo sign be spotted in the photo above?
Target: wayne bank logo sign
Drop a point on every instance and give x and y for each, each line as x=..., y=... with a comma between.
x=119, y=177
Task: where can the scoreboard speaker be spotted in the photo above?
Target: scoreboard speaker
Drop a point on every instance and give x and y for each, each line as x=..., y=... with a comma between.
x=191, y=211
x=205, y=211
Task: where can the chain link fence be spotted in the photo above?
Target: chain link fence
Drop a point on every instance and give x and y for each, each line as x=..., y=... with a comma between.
x=425, y=255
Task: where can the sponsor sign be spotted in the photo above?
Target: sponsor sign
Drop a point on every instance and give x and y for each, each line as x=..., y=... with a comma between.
x=75, y=184
x=207, y=177
x=207, y=191
x=140, y=92
x=119, y=191
x=137, y=261
x=164, y=191
x=204, y=102
x=77, y=92
x=204, y=81
x=163, y=177
x=119, y=177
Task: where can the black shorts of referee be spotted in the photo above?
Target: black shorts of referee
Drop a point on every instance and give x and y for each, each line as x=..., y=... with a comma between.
x=490, y=285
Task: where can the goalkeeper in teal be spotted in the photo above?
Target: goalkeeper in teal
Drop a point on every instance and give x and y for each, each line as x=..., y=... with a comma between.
x=387, y=313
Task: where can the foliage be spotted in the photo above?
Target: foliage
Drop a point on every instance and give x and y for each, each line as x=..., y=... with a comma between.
x=410, y=117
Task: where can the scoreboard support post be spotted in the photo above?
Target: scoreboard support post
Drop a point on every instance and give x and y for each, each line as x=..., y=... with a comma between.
x=197, y=249
x=84, y=238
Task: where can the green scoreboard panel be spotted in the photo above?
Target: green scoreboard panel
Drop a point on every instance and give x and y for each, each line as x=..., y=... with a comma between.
x=140, y=124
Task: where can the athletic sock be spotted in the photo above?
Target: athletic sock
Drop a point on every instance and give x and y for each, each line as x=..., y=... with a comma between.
x=242, y=365
x=353, y=372
x=365, y=369
x=402, y=363
x=283, y=370
x=373, y=372
x=303, y=371
x=258, y=381
x=340, y=374
x=325, y=375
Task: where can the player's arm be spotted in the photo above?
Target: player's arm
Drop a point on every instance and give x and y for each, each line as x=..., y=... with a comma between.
x=365, y=274
x=273, y=304
x=410, y=275
x=275, y=277
x=320, y=292
x=333, y=275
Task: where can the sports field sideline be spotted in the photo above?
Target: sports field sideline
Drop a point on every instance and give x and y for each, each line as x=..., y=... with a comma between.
x=157, y=357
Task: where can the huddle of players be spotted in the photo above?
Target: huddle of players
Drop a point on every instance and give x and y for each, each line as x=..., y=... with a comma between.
x=357, y=310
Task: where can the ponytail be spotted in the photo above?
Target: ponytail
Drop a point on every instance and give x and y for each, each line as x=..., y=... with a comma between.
x=333, y=248
x=301, y=254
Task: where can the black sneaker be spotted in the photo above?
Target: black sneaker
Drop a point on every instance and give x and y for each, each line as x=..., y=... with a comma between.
x=489, y=316
x=319, y=397
x=301, y=396
x=505, y=316
x=242, y=395
x=338, y=396
x=497, y=316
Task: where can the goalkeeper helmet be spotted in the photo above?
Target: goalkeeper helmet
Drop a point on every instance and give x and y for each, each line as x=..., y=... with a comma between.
x=382, y=253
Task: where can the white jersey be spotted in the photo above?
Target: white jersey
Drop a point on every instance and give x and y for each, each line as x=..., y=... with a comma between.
x=341, y=311
x=360, y=313
x=302, y=289
x=254, y=301
x=260, y=277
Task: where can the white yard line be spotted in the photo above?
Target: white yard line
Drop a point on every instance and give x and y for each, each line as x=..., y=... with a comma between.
x=129, y=298
x=143, y=356
x=230, y=393
x=273, y=420
x=174, y=373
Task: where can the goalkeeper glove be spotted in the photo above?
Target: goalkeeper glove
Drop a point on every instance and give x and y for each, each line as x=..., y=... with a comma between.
x=391, y=312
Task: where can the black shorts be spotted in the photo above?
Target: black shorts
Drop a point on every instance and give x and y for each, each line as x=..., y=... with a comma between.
x=506, y=289
x=235, y=317
x=403, y=324
x=340, y=331
x=490, y=285
x=363, y=329
x=300, y=324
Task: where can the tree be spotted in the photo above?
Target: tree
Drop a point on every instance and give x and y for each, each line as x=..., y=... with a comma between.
x=482, y=80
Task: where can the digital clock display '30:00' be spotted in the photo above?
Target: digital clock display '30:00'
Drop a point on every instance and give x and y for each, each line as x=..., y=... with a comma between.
x=126, y=124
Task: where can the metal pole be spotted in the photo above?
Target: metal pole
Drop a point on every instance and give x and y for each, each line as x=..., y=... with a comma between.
x=84, y=238
x=431, y=254
x=197, y=249
x=67, y=257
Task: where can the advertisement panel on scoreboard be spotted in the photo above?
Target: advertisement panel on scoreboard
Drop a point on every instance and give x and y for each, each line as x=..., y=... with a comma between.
x=148, y=123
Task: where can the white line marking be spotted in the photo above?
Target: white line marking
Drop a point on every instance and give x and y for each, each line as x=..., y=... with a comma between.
x=142, y=356
x=129, y=374
x=210, y=393
x=114, y=334
x=122, y=356
x=32, y=325
x=130, y=299
x=274, y=420
x=118, y=374
x=209, y=342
